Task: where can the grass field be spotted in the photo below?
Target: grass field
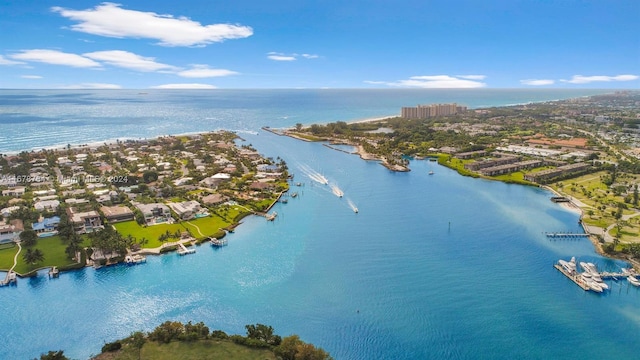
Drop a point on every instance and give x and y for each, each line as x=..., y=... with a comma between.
x=151, y=233
x=197, y=350
x=208, y=226
x=51, y=247
x=601, y=203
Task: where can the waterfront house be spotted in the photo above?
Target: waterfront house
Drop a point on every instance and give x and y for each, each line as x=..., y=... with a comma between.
x=10, y=231
x=186, y=210
x=84, y=222
x=155, y=213
x=46, y=225
x=118, y=213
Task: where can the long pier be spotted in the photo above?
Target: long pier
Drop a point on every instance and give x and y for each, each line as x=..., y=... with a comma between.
x=560, y=235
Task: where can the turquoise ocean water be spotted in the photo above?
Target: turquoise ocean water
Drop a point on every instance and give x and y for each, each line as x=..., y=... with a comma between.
x=431, y=267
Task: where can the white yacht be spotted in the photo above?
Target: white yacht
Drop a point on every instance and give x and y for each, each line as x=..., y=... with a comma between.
x=569, y=266
x=633, y=280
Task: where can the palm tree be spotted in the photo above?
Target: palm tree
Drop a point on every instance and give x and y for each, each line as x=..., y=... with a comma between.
x=163, y=237
x=33, y=257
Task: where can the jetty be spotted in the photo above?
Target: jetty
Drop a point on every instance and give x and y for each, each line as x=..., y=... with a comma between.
x=563, y=235
x=54, y=272
x=218, y=242
x=183, y=250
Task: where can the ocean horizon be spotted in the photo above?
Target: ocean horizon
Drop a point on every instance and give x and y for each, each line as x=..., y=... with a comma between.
x=52, y=119
x=431, y=267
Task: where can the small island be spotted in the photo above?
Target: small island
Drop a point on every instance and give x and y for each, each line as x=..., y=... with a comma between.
x=117, y=202
x=585, y=150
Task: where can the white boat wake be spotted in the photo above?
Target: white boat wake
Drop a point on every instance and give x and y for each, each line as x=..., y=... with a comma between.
x=314, y=175
x=352, y=206
x=336, y=190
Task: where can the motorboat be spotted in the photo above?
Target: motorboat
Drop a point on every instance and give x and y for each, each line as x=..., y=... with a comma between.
x=633, y=280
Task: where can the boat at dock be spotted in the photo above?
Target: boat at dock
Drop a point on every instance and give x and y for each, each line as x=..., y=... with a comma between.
x=633, y=280
x=218, y=242
x=570, y=266
x=54, y=272
x=271, y=217
x=9, y=279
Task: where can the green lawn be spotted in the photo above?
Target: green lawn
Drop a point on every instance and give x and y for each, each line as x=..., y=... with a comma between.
x=152, y=233
x=52, y=248
x=208, y=226
x=197, y=350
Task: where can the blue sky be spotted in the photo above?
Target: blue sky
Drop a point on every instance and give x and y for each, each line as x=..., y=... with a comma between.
x=320, y=44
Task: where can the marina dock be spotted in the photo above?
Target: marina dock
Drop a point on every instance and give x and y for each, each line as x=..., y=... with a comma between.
x=574, y=277
x=585, y=283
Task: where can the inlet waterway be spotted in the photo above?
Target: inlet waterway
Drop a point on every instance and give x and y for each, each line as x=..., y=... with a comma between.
x=431, y=266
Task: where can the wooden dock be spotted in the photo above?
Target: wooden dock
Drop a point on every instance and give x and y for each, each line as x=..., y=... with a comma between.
x=184, y=251
x=574, y=277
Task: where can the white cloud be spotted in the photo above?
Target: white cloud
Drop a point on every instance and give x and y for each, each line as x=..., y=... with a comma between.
x=184, y=86
x=31, y=77
x=55, y=57
x=579, y=79
x=204, y=71
x=92, y=86
x=109, y=19
x=5, y=61
x=128, y=60
x=472, y=77
x=276, y=56
x=537, y=82
x=281, y=57
x=434, y=82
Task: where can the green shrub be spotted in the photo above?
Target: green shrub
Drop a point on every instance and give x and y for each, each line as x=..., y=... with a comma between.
x=112, y=346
